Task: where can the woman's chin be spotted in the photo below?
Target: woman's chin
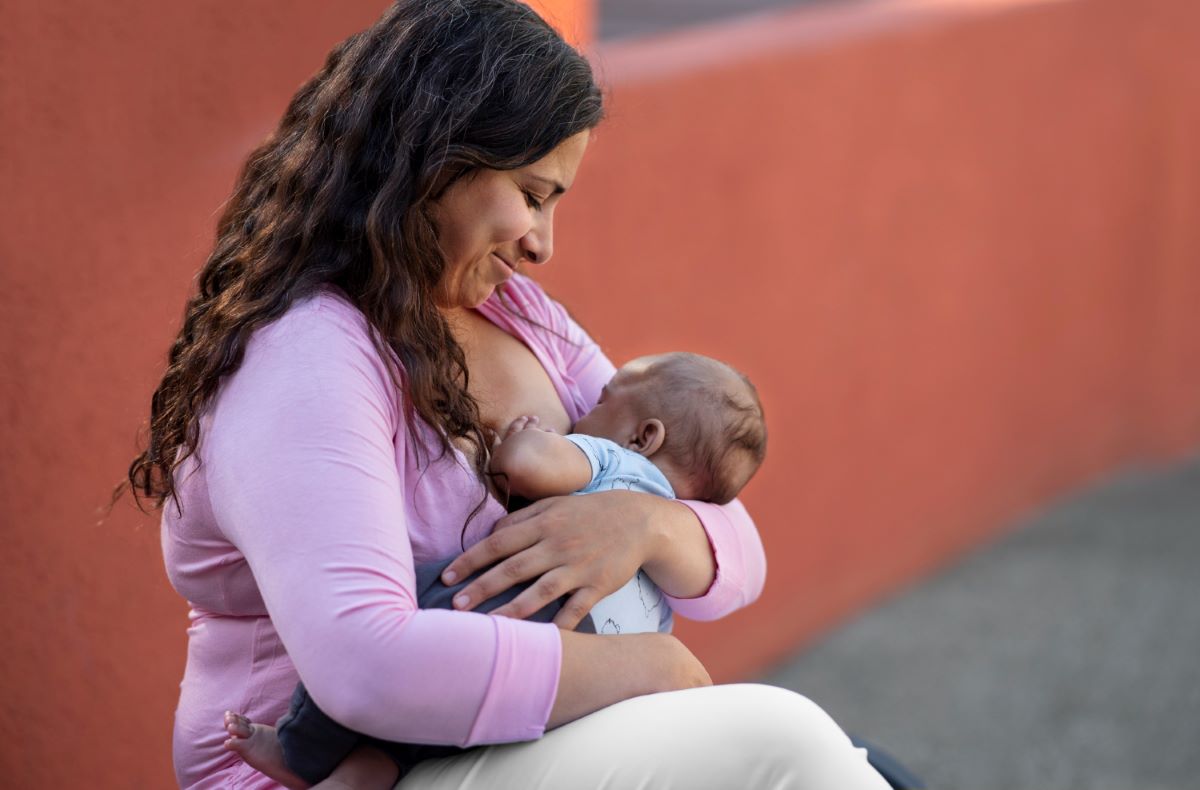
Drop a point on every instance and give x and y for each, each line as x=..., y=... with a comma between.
x=468, y=300
x=479, y=300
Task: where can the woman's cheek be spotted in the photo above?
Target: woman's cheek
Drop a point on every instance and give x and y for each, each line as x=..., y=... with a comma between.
x=511, y=218
x=515, y=224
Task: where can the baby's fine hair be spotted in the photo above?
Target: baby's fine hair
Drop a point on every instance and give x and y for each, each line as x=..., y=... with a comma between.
x=714, y=421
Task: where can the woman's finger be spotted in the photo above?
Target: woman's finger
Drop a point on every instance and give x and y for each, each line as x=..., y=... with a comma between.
x=520, y=567
x=495, y=547
x=524, y=514
x=576, y=608
x=550, y=587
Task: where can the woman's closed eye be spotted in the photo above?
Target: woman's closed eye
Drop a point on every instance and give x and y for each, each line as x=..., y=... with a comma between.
x=533, y=200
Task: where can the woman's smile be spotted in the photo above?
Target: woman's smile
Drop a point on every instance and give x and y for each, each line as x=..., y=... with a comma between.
x=490, y=221
x=511, y=269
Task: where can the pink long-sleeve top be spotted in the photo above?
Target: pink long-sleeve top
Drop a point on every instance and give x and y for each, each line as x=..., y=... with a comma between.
x=300, y=525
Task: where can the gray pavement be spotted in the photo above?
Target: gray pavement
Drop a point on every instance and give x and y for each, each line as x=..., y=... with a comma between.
x=627, y=18
x=1065, y=655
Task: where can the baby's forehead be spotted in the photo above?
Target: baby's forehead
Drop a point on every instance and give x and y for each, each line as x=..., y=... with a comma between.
x=674, y=366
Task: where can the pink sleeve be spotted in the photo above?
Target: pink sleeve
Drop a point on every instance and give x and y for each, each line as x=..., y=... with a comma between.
x=741, y=562
x=737, y=548
x=301, y=463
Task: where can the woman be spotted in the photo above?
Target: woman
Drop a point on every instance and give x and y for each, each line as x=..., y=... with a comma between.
x=360, y=333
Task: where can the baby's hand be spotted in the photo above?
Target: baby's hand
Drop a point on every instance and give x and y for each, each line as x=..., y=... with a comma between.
x=528, y=422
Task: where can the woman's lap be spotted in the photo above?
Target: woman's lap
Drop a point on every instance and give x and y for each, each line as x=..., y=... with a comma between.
x=735, y=736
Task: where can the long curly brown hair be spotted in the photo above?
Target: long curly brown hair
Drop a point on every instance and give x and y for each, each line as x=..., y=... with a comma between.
x=342, y=193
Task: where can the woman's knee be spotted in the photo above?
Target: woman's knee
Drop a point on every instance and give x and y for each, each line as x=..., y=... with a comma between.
x=711, y=737
x=772, y=716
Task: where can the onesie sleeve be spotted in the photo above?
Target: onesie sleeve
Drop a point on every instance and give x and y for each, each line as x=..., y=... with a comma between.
x=601, y=458
x=301, y=456
x=737, y=548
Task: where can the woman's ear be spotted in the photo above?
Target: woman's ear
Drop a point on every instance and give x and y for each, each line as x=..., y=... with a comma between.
x=650, y=435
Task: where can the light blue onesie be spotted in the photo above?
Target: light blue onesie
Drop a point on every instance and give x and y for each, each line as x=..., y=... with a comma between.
x=639, y=606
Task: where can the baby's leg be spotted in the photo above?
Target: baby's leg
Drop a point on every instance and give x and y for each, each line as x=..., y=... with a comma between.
x=365, y=767
x=258, y=745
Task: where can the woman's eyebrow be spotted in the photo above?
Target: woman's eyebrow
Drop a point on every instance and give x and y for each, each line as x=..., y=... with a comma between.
x=558, y=188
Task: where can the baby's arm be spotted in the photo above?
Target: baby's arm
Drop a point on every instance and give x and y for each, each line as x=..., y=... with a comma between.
x=534, y=463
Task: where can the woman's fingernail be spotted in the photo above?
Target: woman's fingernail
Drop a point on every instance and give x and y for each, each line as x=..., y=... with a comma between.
x=461, y=601
x=449, y=577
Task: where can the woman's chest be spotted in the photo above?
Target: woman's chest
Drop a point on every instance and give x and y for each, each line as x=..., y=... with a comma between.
x=508, y=381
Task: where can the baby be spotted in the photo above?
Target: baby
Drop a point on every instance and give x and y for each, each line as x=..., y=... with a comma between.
x=677, y=425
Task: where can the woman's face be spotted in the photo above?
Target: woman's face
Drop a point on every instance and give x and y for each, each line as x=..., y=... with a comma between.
x=493, y=221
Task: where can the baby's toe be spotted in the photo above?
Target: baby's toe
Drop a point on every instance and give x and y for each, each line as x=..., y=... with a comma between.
x=238, y=725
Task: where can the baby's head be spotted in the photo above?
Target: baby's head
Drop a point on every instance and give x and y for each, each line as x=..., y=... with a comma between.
x=698, y=420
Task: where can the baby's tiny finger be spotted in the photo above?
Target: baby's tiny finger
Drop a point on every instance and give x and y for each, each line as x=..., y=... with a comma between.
x=512, y=428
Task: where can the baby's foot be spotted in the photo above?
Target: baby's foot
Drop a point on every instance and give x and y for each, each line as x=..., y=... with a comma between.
x=258, y=745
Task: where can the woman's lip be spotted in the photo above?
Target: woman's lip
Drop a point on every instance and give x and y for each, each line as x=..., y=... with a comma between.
x=510, y=267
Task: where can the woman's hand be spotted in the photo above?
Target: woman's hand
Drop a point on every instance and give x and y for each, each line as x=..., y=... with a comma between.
x=587, y=546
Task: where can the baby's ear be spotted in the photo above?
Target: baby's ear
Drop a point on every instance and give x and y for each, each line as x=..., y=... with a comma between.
x=650, y=436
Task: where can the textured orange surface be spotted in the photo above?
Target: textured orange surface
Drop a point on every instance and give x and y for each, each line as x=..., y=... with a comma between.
x=957, y=252
x=954, y=243
x=574, y=19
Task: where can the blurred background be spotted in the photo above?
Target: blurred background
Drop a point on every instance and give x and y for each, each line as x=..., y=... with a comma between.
x=954, y=242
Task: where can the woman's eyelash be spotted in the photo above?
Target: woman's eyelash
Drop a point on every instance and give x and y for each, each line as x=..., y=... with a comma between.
x=532, y=200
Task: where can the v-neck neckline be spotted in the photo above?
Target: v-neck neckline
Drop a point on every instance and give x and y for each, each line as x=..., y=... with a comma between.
x=504, y=319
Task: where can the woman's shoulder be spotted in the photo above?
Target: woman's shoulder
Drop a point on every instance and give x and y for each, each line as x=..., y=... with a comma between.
x=325, y=312
x=321, y=339
x=325, y=323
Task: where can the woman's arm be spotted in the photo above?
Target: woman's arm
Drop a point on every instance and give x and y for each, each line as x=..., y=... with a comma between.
x=600, y=670
x=739, y=564
x=300, y=459
x=299, y=456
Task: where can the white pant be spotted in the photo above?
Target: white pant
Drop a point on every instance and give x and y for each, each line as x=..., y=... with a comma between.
x=737, y=737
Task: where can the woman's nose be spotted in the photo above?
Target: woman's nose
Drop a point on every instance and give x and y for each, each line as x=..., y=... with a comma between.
x=538, y=244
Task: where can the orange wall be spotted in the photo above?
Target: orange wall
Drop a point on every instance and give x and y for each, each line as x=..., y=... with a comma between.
x=575, y=19
x=957, y=253
x=954, y=243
